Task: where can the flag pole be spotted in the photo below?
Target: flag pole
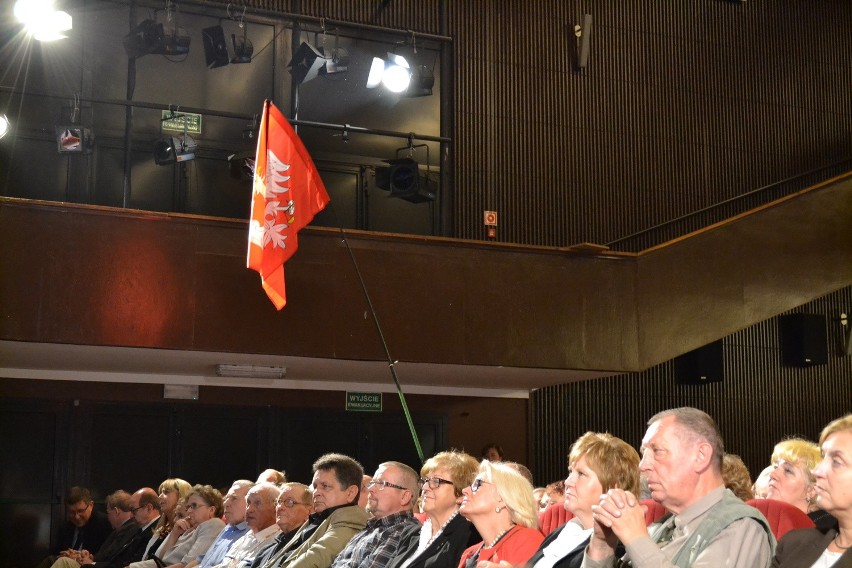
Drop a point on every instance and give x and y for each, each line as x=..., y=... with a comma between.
x=391, y=362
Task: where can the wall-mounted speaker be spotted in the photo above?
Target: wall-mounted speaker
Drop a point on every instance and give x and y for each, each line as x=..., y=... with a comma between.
x=804, y=340
x=701, y=366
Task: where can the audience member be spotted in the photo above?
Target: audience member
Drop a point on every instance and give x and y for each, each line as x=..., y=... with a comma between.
x=124, y=529
x=145, y=505
x=170, y=492
x=192, y=535
x=823, y=547
x=792, y=479
x=391, y=496
x=362, y=496
x=736, y=477
x=260, y=516
x=273, y=476
x=596, y=463
x=682, y=460
x=554, y=493
x=292, y=509
x=234, y=514
x=84, y=527
x=133, y=548
x=761, y=484
x=493, y=453
x=445, y=534
x=540, y=497
x=500, y=505
x=336, y=517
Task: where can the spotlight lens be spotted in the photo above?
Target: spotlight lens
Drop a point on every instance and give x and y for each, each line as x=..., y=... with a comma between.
x=30, y=11
x=377, y=69
x=4, y=125
x=49, y=26
x=396, y=79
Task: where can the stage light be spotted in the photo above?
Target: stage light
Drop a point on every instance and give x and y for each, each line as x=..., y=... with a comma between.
x=306, y=63
x=402, y=179
x=394, y=73
x=309, y=62
x=5, y=125
x=243, y=48
x=241, y=164
x=173, y=149
x=74, y=139
x=143, y=39
x=41, y=20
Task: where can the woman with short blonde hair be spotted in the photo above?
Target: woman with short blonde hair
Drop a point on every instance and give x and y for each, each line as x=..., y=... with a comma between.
x=792, y=481
x=597, y=463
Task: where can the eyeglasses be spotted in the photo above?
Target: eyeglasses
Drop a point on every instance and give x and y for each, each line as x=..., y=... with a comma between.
x=289, y=503
x=433, y=482
x=381, y=484
x=189, y=507
x=477, y=483
x=134, y=509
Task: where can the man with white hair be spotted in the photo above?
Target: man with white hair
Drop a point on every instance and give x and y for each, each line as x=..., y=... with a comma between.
x=260, y=517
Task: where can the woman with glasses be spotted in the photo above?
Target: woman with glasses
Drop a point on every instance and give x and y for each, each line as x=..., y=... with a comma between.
x=596, y=463
x=445, y=534
x=501, y=506
x=197, y=530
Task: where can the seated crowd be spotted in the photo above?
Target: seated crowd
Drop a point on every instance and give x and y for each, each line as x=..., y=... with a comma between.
x=681, y=501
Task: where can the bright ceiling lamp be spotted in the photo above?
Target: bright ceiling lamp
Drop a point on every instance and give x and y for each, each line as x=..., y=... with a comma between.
x=394, y=73
x=41, y=20
x=4, y=125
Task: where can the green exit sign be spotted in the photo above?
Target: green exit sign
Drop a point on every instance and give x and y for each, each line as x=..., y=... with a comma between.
x=176, y=121
x=364, y=401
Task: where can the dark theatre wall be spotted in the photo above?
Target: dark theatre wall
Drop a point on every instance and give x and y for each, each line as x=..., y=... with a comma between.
x=124, y=436
x=757, y=404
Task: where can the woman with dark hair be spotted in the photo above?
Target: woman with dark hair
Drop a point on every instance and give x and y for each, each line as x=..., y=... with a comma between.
x=596, y=463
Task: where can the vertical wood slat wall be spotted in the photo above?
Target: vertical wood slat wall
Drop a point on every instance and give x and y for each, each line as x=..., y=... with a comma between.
x=682, y=105
x=758, y=403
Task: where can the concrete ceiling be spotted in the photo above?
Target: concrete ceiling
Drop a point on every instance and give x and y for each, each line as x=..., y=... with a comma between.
x=50, y=361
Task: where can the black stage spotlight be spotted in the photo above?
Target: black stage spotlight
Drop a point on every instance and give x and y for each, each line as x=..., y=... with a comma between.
x=422, y=81
x=306, y=63
x=215, y=47
x=74, y=140
x=173, y=149
x=143, y=39
x=241, y=165
x=243, y=47
x=402, y=179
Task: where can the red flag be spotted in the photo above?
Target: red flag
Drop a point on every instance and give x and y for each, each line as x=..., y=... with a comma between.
x=287, y=193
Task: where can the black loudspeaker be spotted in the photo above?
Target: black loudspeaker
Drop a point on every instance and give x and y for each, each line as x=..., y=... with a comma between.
x=804, y=340
x=215, y=47
x=701, y=366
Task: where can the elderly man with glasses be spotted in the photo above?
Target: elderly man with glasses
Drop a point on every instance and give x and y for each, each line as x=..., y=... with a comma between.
x=391, y=496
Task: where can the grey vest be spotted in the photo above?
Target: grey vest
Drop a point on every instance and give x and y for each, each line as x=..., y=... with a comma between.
x=725, y=512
